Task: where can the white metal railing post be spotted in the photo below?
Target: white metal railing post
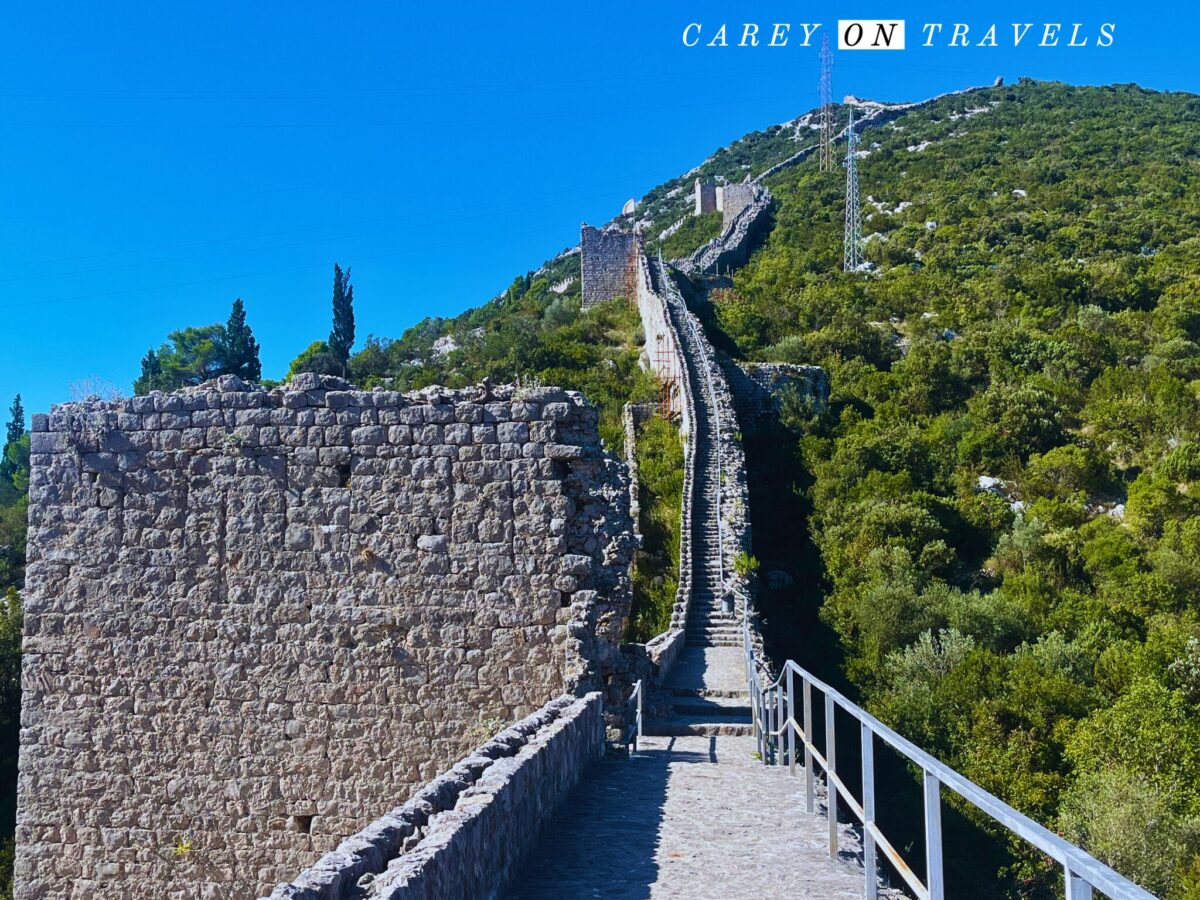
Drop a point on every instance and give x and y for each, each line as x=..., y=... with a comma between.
x=810, y=793
x=779, y=724
x=933, y=837
x=771, y=724
x=831, y=771
x=1076, y=888
x=791, y=723
x=868, y=805
x=638, y=736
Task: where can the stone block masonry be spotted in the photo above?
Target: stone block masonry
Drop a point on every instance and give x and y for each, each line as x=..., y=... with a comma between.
x=609, y=264
x=255, y=619
x=464, y=833
x=735, y=198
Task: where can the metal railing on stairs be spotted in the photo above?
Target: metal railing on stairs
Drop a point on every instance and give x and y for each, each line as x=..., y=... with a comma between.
x=775, y=706
x=633, y=718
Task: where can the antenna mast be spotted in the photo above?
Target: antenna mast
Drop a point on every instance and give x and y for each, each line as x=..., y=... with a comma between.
x=852, y=245
x=826, y=106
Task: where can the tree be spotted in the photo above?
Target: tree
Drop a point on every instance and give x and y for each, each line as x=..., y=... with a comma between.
x=195, y=355
x=315, y=358
x=9, y=453
x=341, y=338
x=16, y=422
x=150, y=379
x=239, y=349
x=192, y=356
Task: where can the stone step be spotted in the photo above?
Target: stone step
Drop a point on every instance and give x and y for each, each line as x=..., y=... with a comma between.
x=701, y=726
x=717, y=709
x=687, y=692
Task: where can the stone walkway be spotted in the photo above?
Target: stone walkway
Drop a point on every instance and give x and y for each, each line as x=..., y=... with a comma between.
x=693, y=814
x=721, y=670
x=687, y=817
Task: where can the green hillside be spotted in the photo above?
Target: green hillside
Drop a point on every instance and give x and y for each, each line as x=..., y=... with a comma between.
x=1032, y=318
x=1004, y=494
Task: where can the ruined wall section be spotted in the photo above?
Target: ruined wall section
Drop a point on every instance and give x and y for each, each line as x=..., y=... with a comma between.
x=735, y=198
x=706, y=197
x=609, y=264
x=741, y=234
x=255, y=619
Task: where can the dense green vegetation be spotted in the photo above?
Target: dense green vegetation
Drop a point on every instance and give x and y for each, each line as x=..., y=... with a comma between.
x=694, y=232
x=1033, y=317
x=660, y=499
x=14, y=492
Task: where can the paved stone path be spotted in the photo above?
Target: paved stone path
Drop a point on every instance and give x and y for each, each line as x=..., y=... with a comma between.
x=687, y=817
x=714, y=669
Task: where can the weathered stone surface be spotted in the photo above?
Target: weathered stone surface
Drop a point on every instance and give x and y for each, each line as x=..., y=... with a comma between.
x=609, y=261
x=689, y=818
x=255, y=619
x=464, y=833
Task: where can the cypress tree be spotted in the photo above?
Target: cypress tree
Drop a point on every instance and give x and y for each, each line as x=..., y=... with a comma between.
x=16, y=423
x=341, y=338
x=239, y=349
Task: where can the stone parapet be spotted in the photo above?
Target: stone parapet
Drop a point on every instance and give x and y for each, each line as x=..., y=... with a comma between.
x=465, y=833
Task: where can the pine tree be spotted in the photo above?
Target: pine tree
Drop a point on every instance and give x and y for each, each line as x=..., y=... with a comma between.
x=16, y=423
x=239, y=349
x=151, y=374
x=341, y=339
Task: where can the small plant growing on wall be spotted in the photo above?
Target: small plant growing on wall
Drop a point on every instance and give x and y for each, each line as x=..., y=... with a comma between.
x=183, y=847
x=745, y=565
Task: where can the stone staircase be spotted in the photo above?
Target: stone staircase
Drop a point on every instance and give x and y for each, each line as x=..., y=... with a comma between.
x=707, y=685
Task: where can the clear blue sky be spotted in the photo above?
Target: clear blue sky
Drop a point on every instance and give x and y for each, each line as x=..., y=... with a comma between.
x=161, y=159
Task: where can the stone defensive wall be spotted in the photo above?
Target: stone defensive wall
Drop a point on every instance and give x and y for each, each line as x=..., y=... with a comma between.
x=664, y=356
x=870, y=114
x=255, y=619
x=739, y=237
x=735, y=198
x=735, y=493
x=466, y=832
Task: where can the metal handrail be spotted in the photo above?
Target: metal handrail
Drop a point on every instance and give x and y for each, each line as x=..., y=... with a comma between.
x=776, y=729
x=633, y=718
